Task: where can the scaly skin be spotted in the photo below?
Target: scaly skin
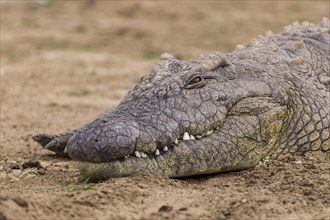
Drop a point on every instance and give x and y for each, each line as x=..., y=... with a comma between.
x=268, y=98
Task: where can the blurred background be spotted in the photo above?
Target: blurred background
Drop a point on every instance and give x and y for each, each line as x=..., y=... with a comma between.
x=65, y=62
x=143, y=29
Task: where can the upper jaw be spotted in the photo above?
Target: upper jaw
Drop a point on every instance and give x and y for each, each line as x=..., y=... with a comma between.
x=109, y=139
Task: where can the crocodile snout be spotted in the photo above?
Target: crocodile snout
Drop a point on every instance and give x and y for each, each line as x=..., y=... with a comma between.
x=103, y=141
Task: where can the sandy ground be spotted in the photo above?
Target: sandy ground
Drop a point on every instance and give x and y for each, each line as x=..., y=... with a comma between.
x=62, y=64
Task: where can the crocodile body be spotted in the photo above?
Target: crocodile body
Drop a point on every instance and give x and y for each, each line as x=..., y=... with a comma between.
x=217, y=113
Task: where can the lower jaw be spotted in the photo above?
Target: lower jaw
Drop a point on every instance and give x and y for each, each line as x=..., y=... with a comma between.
x=186, y=159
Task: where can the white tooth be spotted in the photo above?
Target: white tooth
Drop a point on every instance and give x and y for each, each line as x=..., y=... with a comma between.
x=192, y=137
x=198, y=136
x=143, y=155
x=208, y=132
x=165, y=148
x=65, y=149
x=137, y=154
x=186, y=136
x=157, y=152
x=126, y=156
x=176, y=141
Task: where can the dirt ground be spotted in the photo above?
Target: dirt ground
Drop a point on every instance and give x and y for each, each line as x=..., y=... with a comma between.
x=62, y=64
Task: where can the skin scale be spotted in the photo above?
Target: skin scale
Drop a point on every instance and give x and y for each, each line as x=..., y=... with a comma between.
x=217, y=113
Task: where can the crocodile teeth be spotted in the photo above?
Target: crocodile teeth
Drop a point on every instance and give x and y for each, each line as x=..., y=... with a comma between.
x=157, y=152
x=65, y=149
x=186, y=136
x=208, y=132
x=137, y=154
x=199, y=136
x=165, y=148
x=192, y=137
x=143, y=155
x=126, y=156
x=176, y=141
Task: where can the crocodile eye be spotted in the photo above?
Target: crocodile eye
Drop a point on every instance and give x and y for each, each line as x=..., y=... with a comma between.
x=195, y=82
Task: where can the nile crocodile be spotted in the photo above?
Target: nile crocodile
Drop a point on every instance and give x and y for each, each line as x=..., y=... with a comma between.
x=217, y=113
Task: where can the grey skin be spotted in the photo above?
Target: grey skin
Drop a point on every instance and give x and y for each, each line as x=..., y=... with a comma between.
x=266, y=99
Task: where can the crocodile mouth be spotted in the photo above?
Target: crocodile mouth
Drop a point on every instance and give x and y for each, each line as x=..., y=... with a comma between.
x=182, y=157
x=162, y=150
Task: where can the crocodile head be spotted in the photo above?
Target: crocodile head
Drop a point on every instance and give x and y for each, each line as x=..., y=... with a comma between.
x=213, y=114
x=184, y=118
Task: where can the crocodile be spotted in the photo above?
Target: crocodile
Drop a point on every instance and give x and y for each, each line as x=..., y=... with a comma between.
x=221, y=112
